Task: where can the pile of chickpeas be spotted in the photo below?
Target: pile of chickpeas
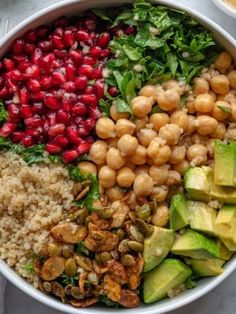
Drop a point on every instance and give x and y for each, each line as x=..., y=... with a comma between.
x=148, y=153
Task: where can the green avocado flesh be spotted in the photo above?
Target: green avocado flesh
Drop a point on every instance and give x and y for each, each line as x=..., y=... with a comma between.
x=178, y=212
x=168, y=275
x=195, y=245
x=157, y=247
x=207, y=267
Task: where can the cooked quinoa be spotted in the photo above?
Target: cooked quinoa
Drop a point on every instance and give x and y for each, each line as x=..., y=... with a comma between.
x=31, y=200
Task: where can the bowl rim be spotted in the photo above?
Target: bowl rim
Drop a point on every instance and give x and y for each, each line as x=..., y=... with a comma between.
x=155, y=308
x=226, y=8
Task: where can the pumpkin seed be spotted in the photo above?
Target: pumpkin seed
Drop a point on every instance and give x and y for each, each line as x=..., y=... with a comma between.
x=79, y=215
x=143, y=227
x=47, y=287
x=128, y=260
x=75, y=292
x=115, y=254
x=82, y=193
x=67, y=250
x=107, y=213
x=53, y=249
x=70, y=267
x=53, y=268
x=105, y=256
x=143, y=211
x=136, y=234
x=84, y=262
x=123, y=246
x=120, y=234
x=93, y=278
x=58, y=290
x=68, y=289
x=135, y=246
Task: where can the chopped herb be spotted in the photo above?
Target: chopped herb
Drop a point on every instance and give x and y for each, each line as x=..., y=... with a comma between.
x=55, y=159
x=34, y=154
x=191, y=282
x=66, y=280
x=29, y=268
x=3, y=112
x=104, y=300
x=104, y=107
x=81, y=249
x=224, y=109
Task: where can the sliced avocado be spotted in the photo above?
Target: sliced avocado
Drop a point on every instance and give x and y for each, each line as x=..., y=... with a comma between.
x=225, y=163
x=207, y=267
x=225, y=254
x=196, y=184
x=168, y=275
x=157, y=247
x=225, y=226
x=178, y=214
x=195, y=245
x=201, y=217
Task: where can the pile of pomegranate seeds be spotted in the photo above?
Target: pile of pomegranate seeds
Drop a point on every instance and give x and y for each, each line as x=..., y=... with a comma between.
x=51, y=82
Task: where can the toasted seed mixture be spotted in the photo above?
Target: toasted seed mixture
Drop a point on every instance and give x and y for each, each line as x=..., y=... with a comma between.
x=41, y=193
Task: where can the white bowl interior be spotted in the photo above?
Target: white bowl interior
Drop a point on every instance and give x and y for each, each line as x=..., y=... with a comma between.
x=72, y=7
x=226, y=8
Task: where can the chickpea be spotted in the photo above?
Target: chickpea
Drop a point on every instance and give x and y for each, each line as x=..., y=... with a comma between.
x=141, y=106
x=160, y=154
x=145, y=136
x=115, y=193
x=125, y=177
x=221, y=114
x=112, y=142
x=173, y=178
x=150, y=161
x=127, y=145
x=143, y=185
x=158, y=120
x=139, y=157
x=220, y=84
x=148, y=91
x=231, y=133
x=213, y=95
x=107, y=177
x=159, y=174
x=141, y=169
x=178, y=154
x=87, y=167
x=170, y=133
x=198, y=139
x=114, y=159
x=206, y=125
x=223, y=61
x=118, y=115
x=180, y=118
x=97, y=152
x=201, y=86
x=233, y=112
x=170, y=84
x=191, y=125
x=105, y=128
x=190, y=106
x=124, y=126
x=160, y=217
x=232, y=79
x=130, y=165
x=204, y=103
x=219, y=132
x=197, y=154
x=140, y=123
x=182, y=167
x=168, y=100
x=160, y=193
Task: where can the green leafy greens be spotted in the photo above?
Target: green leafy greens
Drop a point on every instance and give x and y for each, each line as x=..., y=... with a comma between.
x=3, y=112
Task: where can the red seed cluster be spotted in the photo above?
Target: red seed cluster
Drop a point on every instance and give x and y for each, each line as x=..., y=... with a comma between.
x=51, y=82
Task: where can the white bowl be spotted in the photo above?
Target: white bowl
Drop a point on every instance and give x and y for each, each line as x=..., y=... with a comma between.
x=71, y=7
x=226, y=8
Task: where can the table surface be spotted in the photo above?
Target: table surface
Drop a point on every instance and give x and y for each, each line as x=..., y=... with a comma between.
x=222, y=300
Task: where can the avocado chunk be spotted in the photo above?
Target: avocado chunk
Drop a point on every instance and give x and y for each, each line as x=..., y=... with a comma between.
x=178, y=213
x=195, y=245
x=157, y=247
x=225, y=254
x=168, y=275
x=225, y=226
x=207, y=267
x=225, y=163
x=196, y=184
x=202, y=217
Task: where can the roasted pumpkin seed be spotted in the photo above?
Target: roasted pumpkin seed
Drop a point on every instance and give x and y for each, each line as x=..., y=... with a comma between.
x=58, y=290
x=93, y=278
x=136, y=234
x=135, y=246
x=75, y=292
x=47, y=287
x=53, y=249
x=143, y=227
x=70, y=267
x=53, y=268
x=84, y=262
x=123, y=246
x=128, y=260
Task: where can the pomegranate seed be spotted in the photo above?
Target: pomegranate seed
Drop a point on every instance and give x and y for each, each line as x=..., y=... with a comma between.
x=11, y=86
x=60, y=54
x=58, y=78
x=95, y=51
x=97, y=74
x=4, y=93
x=62, y=21
x=27, y=141
x=46, y=82
x=66, y=105
x=90, y=24
x=70, y=97
x=105, y=53
x=38, y=96
x=33, y=71
x=31, y=36
x=92, y=37
x=69, y=38
x=33, y=85
x=82, y=36
x=113, y=91
x=17, y=136
x=23, y=95
x=62, y=116
x=23, y=66
x=85, y=70
x=90, y=100
x=8, y=64
x=51, y=101
x=29, y=48
x=36, y=55
x=20, y=58
x=14, y=112
x=15, y=75
x=45, y=45
x=79, y=109
x=18, y=46
x=59, y=31
x=103, y=40
x=47, y=60
x=130, y=30
x=26, y=111
x=42, y=31
x=33, y=122
x=61, y=141
x=52, y=148
x=57, y=42
x=94, y=113
x=90, y=123
x=31, y=132
x=82, y=132
x=7, y=128
x=76, y=56
x=52, y=119
x=99, y=88
x=70, y=155
x=37, y=108
x=56, y=129
x=89, y=60
x=83, y=147
x=70, y=72
x=1, y=81
x=81, y=82
x=69, y=86
x=89, y=90
x=72, y=134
